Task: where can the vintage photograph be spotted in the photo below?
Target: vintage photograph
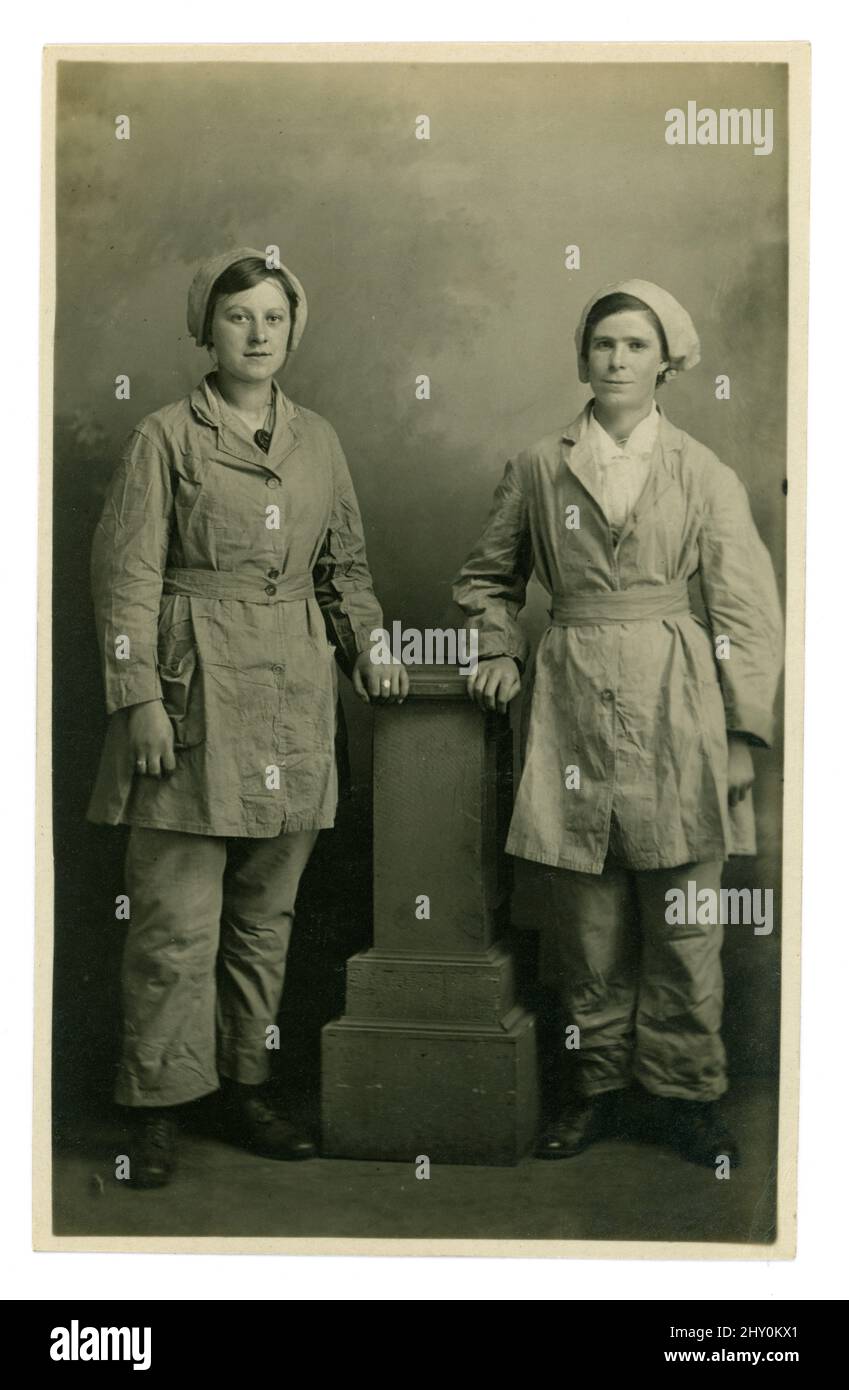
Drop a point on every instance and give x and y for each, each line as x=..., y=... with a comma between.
x=421, y=679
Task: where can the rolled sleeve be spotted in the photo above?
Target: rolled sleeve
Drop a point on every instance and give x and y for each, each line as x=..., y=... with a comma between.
x=129, y=555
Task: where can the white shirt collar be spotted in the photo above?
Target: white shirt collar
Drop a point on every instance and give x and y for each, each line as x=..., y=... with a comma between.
x=640, y=442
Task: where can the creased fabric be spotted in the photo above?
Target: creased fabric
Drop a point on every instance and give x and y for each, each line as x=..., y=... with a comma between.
x=646, y=996
x=623, y=468
x=638, y=709
x=246, y=672
x=204, y=961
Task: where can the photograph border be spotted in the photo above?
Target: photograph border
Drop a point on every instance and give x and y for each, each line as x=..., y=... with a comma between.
x=797, y=57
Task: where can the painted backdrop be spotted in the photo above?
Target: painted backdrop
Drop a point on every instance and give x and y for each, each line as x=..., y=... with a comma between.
x=442, y=257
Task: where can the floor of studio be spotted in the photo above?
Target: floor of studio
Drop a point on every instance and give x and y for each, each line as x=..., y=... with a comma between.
x=616, y=1190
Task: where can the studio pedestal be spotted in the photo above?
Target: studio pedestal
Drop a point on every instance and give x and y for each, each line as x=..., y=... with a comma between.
x=433, y=1056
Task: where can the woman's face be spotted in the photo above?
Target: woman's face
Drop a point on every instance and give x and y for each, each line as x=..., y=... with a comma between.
x=624, y=358
x=250, y=331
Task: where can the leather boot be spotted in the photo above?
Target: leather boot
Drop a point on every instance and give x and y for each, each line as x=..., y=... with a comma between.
x=253, y=1123
x=580, y=1124
x=153, y=1147
x=698, y=1131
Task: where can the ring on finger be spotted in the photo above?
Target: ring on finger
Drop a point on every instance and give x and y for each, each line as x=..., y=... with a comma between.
x=141, y=765
x=387, y=685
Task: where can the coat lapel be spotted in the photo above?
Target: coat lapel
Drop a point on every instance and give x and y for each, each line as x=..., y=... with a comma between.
x=286, y=437
x=204, y=401
x=580, y=459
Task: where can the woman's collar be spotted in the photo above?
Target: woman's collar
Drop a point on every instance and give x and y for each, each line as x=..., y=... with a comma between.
x=576, y=431
x=640, y=441
x=208, y=403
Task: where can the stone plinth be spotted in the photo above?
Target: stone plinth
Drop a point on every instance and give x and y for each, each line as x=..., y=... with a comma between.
x=433, y=1056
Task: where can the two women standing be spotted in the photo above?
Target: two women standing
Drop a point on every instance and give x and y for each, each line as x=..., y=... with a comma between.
x=230, y=549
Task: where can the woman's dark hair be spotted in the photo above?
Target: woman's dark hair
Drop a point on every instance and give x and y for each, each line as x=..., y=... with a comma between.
x=619, y=304
x=243, y=275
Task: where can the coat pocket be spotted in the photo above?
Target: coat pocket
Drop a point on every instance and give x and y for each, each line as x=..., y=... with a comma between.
x=180, y=677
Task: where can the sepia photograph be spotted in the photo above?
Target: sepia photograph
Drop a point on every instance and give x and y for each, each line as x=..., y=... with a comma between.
x=421, y=649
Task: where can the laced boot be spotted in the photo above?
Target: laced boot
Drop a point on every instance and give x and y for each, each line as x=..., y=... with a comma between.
x=698, y=1131
x=153, y=1147
x=254, y=1123
x=581, y=1123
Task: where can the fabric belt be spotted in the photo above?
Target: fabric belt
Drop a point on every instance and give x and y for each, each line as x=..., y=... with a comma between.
x=215, y=584
x=620, y=605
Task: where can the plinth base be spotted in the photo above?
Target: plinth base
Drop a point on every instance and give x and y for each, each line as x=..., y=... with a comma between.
x=454, y=1094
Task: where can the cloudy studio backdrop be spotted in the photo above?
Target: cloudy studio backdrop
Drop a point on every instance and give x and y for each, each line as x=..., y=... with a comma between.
x=443, y=257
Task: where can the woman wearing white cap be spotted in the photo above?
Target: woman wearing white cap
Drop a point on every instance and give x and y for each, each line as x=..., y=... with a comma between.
x=637, y=767
x=230, y=549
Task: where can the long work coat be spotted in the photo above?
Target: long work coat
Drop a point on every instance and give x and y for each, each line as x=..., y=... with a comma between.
x=629, y=717
x=219, y=575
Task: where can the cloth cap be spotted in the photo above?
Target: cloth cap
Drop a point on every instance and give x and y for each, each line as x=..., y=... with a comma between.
x=681, y=336
x=206, y=276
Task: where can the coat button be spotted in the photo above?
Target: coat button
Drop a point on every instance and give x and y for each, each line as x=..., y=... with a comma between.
x=271, y=589
x=277, y=670
x=607, y=696
x=272, y=574
x=272, y=482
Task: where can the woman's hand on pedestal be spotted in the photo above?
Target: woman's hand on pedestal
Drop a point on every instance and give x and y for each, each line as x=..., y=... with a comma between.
x=379, y=683
x=495, y=683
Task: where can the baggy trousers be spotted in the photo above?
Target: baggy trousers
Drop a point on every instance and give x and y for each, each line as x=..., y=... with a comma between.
x=204, y=960
x=646, y=996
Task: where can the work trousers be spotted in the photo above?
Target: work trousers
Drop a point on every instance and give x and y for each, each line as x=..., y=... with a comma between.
x=646, y=996
x=204, y=960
